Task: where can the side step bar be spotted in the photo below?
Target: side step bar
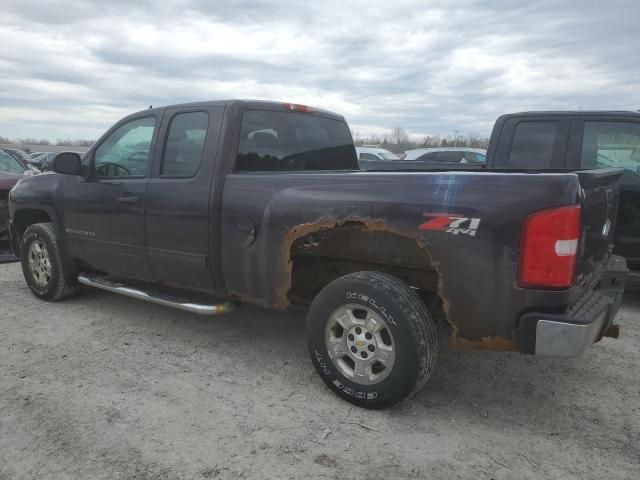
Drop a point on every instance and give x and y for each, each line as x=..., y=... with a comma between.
x=155, y=297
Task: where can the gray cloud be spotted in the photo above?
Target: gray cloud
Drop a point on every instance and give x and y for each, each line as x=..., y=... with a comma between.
x=71, y=69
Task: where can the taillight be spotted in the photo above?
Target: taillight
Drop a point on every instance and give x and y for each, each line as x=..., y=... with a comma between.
x=549, y=248
x=294, y=107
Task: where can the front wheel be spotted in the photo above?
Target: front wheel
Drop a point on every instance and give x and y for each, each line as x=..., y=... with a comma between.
x=371, y=339
x=43, y=264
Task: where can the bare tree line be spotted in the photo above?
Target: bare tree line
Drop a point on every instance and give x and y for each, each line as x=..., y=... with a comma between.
x=67, y=142
x=398, y=140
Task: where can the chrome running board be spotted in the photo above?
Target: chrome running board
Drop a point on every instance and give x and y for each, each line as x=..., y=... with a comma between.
x=155, y=297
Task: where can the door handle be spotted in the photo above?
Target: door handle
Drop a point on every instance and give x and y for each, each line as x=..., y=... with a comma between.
x=128, y=200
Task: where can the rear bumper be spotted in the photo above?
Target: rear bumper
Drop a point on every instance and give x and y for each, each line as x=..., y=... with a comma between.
x=586, y=321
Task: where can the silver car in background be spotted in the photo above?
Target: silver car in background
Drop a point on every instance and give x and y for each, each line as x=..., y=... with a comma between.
x=447, y=155
x=375, y=153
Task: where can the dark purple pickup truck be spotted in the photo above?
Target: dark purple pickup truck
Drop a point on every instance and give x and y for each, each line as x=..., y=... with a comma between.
x=201, y=205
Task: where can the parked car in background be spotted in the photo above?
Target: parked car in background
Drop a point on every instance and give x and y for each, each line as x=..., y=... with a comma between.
x=36, y=155
x=29, y=163
x=11, y=170
x=23, y=156
x=44, y=161
x=431, y=159
x=12, y=162
x=375, y=153
x=447, y=155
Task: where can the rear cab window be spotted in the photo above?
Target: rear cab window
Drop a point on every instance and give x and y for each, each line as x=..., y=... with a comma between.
x=273, y=141
x=532, y=145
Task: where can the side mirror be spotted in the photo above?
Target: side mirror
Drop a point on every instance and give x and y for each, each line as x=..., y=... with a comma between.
x=68, y=163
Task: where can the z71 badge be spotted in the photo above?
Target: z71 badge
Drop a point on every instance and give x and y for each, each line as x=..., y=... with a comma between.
x=451, y=223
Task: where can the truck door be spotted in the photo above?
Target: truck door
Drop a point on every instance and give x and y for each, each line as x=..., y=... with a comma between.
x=178, y=198
x=104, y=213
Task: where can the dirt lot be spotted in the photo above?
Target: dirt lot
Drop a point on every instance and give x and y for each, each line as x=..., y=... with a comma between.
x=101, y=386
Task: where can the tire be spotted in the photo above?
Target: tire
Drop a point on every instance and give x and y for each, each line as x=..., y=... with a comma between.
x=49, y=276
x=396, y=363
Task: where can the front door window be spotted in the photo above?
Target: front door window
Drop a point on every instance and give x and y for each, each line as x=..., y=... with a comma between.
x=125, y=153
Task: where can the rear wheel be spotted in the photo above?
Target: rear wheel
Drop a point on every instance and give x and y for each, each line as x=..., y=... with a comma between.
x=371, y=339
x=43, y=264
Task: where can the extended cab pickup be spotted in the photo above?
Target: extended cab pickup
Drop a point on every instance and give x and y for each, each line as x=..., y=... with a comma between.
x=197, y=206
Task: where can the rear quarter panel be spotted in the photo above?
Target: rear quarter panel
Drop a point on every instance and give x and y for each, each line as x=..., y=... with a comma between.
x=477, y=270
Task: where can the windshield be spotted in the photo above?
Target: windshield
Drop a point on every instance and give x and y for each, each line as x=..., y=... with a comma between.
x=8, y=164
x=283, y=141
x=23, y=155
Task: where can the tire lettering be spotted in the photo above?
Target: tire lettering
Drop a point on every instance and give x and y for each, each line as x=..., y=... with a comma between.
x=322, y=363
x=370, y=301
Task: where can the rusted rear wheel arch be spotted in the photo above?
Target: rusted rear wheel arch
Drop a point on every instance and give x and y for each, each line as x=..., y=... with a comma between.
x=321, y=255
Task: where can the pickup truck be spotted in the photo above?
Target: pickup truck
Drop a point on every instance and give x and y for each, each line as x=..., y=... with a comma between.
x=200, y=206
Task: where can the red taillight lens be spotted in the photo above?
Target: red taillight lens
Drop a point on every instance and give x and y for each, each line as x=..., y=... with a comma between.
x=549, y=248
x=294, y=107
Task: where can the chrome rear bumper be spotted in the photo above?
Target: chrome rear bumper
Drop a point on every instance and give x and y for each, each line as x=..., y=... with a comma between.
x=586, y=322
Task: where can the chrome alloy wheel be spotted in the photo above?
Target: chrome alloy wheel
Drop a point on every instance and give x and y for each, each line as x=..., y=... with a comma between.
x=39, y=263
x=360, y=344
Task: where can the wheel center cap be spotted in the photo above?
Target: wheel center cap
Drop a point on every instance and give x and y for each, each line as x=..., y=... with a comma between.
x=361, y=343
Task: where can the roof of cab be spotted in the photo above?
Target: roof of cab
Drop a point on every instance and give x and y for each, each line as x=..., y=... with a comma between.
x=246, y=104
x=576, y=113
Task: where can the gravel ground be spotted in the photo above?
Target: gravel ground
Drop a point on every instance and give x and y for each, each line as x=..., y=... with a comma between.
x=105, y=387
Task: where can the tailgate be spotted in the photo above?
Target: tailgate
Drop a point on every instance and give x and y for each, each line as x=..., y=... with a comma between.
x=599, y=208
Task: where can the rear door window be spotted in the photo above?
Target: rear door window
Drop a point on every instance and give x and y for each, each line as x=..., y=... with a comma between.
x=532, y=145
x=611, y=145
x=368, y=156
x=283, y=141
x=185, y=144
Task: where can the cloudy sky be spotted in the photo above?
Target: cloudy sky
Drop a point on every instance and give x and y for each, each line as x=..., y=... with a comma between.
x=71, y=68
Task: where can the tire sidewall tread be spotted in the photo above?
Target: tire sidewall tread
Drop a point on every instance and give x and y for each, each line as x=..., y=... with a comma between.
x=58, y=288
x=407, y=318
